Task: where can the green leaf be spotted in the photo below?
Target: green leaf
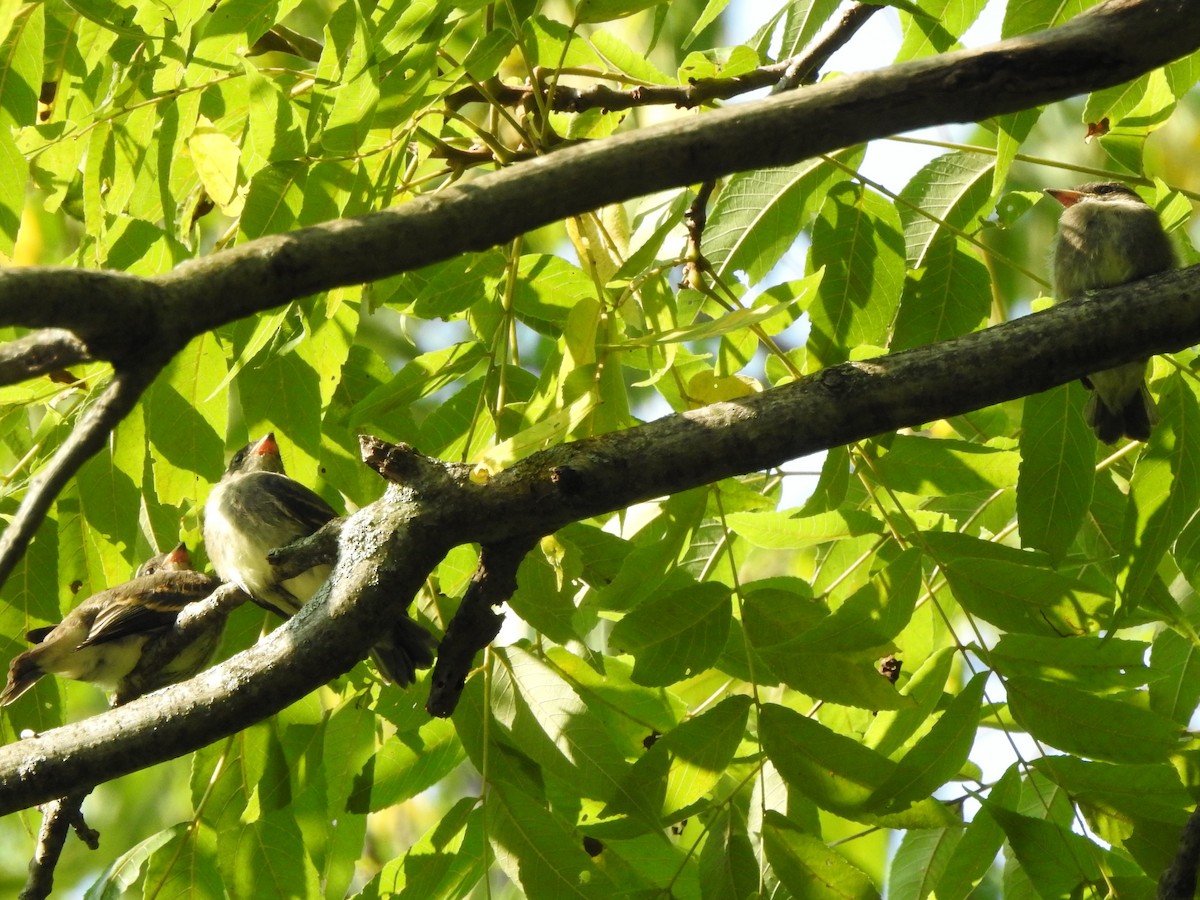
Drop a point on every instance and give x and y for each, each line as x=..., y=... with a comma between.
x=872, y=615
x=283, y=394
x=355, y=97
x=1130, y=791
x=1014, y=589
x=537, y=852
x=266, y=858
x=552, y=725
x=857, y=238
x=1164, y=492
x=412, y=763
x=835, y=771
x=1176, y=693
x=890, y=729
x=728, y=867
x=808, y=868
x=950, y=193
x=110, y=16
x=274, y=131
x=607, y=10
x=675, y=635
x=423, y=376
x=1058, y=455
x=712, y=10
x=186, y=865
x=547, y=289
x=232, y=27
x=186, y=422
x=1098, y=727
x=1011, y=131
x=618, y=53
x=275, y=199
x=21, y=55
x=544, y=599
x=735, y=321
x=940, y=754
x=782, y=530
x=949, y=296
x=758, y=214
x=925, y=466
x=1090, y=663
x=448, y=859
x=693, y=756
x=921, y=861
x=1055, y=860
x=804, y=19
x=938, y=28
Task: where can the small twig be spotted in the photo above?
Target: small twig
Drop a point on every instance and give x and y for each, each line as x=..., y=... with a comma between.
x=696, y=219
x=403, y=465
x=317, y=549
x=476, y=623
x=57, y=817
x=783, y=75
x=803, y=69
x=40, y=353
x=85, y=439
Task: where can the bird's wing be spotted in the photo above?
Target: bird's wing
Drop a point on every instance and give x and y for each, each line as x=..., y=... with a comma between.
x=147, y=604
x=37, y=635
x=295, y=501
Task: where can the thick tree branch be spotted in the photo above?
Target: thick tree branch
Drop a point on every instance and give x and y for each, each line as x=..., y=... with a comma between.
x=119, y=316
x=1122, y=39
x=387, y=549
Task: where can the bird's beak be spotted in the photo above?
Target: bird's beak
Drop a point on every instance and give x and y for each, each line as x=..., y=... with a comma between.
x=1066, y=198
x=267, y=445
x=180, y=556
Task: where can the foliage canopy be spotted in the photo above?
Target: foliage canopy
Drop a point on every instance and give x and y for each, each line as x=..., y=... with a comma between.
x=695, y=707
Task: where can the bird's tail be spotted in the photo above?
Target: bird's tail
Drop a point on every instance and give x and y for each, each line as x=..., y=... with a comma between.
x=409, y=647
x=1134, y=419
x=23, y=673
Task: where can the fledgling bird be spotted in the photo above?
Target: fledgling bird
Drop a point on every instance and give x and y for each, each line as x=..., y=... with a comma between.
x=256, y=508
x=103, y=638
x=1107, y=236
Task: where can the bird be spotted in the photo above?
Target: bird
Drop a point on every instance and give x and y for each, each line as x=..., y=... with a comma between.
x=1108, y=235
x=255, y=508
x=102, y=639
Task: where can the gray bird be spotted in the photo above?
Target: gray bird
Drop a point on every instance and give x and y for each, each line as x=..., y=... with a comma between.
x=256, y=508
x=1107, y=236
x=103, y=638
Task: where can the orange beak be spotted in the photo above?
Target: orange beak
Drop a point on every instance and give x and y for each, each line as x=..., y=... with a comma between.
x=267, y=445
x=1066, y=198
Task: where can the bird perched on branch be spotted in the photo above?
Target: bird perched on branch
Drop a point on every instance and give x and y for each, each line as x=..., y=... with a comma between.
x=104, y=637
x=1107, y=236
x=256, y=508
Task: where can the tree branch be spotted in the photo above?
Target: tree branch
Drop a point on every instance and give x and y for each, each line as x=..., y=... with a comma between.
x=85, y=440
x=387, y=549
x=40, y=353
